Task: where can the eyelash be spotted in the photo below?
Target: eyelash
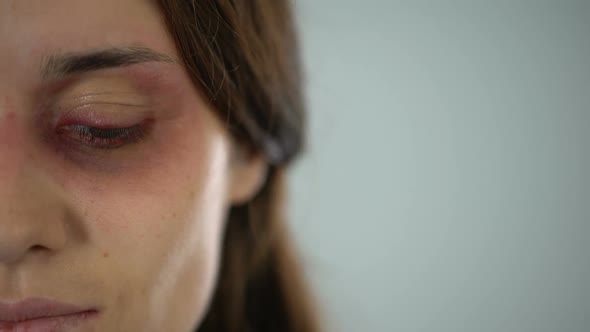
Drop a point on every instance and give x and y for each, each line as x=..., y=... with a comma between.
x=103, y=138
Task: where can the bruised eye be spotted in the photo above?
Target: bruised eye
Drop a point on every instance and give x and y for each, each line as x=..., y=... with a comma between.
x=103, y=138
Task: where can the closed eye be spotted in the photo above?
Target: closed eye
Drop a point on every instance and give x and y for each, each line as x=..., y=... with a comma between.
x=102, y=138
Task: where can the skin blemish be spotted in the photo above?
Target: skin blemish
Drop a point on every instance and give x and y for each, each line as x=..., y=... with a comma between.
x=10, y=116
x=105, y=255
x=13, y=153
x=8, y=128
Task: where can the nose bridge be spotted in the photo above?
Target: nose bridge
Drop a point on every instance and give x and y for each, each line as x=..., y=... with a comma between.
x=13, y=142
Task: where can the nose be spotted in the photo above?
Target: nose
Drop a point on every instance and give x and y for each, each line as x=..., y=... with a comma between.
x=31, y=219
x=31, y=210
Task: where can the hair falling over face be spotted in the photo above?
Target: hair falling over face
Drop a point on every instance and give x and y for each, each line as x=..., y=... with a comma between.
x=243, y=55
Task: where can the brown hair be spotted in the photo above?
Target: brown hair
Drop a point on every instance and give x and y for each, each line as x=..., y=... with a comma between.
x=243, y=55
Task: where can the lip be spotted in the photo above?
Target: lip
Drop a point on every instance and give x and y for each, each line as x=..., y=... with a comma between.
x=38, y=314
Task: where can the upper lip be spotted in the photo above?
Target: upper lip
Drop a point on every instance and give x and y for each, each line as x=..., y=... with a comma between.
x=36, y=308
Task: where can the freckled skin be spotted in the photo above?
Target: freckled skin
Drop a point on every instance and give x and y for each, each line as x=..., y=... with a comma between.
x=134, y=232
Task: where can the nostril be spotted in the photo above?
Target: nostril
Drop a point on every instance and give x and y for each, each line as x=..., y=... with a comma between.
x=38, y=248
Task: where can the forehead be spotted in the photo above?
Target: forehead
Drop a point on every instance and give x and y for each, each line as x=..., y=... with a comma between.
x=33, y=29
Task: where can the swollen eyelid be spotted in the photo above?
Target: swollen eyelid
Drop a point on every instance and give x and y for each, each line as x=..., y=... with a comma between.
x=103, y=138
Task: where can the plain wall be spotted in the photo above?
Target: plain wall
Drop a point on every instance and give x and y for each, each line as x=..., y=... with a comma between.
x=446, y=186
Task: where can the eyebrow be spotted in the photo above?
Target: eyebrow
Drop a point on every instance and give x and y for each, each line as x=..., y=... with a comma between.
x=58, y=66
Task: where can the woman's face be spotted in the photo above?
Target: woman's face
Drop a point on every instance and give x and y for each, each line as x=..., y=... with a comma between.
x=115, y=174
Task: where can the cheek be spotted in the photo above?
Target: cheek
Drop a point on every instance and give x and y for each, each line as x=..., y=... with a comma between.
x=172, y=195
x=161, y=224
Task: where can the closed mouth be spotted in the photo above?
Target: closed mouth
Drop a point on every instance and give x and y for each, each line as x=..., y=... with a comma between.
x=41, y=315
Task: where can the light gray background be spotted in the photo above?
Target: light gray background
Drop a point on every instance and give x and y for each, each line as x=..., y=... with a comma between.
x=447, y=184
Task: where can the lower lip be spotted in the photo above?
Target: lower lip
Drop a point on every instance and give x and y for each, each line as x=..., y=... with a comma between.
x=50, y=324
